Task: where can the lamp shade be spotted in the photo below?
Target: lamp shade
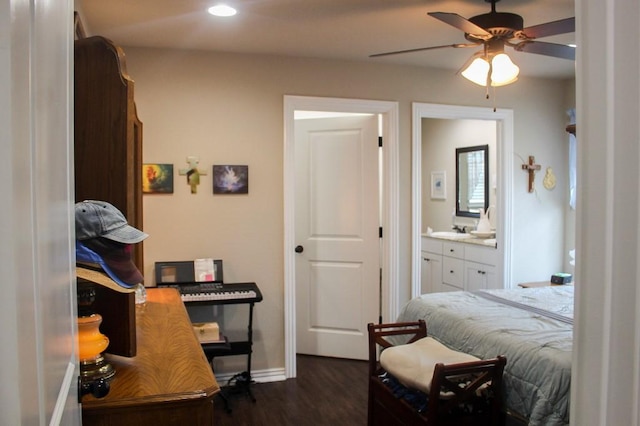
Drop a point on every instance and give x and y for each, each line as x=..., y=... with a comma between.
x=503, y=71
x=477, y=71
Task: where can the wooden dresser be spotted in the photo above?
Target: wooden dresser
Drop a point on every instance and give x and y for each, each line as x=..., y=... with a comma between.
x=169, y=382
x=107, y=131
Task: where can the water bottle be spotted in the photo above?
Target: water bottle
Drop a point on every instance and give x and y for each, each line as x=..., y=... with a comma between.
x=141, y=294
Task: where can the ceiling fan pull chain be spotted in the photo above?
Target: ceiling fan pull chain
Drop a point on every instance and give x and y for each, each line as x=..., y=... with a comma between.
x=488, y=85
x=494, y=99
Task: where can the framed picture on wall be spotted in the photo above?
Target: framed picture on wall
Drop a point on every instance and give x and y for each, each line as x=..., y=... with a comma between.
x=157, y=178
x=439, y=185
x=230, y=179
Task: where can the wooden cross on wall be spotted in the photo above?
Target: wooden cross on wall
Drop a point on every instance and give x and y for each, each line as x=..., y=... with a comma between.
x=532, y=167
x=193, y=173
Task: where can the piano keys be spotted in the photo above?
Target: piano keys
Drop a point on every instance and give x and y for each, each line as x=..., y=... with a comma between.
x=218, y=293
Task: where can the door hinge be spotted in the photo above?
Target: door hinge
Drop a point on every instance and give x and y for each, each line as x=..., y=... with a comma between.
x=380, y=141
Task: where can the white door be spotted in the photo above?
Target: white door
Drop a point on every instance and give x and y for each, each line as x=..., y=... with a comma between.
x=337, y=235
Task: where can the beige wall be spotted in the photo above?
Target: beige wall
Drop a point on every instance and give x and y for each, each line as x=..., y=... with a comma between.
x=228, y=109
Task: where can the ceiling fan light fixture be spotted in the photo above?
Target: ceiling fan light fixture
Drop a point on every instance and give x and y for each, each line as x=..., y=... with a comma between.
x=477, y=71
x=504, y=71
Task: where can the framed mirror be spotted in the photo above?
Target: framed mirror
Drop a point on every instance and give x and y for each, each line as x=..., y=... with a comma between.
x=472, y=180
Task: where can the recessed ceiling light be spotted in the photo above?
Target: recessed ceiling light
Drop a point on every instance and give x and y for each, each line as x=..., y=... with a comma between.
x=222, y=10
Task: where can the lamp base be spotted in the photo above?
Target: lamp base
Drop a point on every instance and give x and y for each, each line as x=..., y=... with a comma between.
x=97, y=368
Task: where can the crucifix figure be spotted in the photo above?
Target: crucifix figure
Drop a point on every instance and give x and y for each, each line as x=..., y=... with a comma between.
x=532, y=167
x=193, y=173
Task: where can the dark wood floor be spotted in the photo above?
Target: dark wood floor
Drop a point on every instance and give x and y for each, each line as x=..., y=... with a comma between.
x=327, y=391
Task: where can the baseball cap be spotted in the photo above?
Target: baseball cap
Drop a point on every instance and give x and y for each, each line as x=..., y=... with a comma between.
x=115, y=261
x=99, y=277
x=101, y=219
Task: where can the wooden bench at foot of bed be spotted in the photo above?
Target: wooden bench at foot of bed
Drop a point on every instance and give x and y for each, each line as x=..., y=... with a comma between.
x=449, y=400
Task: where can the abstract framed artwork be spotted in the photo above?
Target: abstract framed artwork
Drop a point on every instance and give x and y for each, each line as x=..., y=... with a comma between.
x=228, y=179
x=439, y=185
x=157, y=178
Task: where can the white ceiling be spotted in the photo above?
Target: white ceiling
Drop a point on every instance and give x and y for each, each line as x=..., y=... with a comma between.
x=338, y=29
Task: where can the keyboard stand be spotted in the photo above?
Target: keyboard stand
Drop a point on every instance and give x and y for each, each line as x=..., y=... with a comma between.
x=241, y=382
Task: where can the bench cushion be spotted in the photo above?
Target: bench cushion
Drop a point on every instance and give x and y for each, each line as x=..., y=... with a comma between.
x=413, y=364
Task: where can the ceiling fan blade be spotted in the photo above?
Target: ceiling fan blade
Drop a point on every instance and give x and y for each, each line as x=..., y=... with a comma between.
x=549, y=49
x=461, y=23
x=562, y=26
x=419, y=49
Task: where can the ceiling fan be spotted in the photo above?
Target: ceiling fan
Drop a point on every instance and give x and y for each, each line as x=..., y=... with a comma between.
x=493, y=31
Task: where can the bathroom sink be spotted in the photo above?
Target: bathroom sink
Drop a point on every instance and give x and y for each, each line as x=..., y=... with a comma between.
x=450, y=235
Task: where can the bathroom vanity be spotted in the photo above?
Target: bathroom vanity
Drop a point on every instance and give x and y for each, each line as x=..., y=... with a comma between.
x=454, y=264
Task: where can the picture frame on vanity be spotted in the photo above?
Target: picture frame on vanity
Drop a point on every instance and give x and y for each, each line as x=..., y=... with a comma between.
x=439, y=185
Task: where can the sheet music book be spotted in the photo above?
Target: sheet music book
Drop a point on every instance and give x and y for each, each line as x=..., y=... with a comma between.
x=187, y=272
x=204, y=270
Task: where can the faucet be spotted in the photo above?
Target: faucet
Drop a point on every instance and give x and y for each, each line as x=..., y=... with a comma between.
x=459, y=229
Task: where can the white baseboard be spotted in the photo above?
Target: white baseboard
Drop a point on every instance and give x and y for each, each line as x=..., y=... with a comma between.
x=259, y=376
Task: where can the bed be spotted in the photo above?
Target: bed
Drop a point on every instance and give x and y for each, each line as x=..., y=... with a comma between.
x=532, y=327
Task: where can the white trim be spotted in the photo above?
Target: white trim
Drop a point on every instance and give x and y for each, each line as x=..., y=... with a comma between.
x=65, y=386
x=606, y=347
x=504, y=143
x=259, y=376
x=390, y=203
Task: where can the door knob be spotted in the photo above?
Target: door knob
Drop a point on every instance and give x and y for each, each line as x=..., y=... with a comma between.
x=299, y=249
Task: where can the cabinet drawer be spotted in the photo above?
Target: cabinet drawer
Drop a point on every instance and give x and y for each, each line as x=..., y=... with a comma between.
x=486, y=255
x=432, y=245
x=453, y=249
x=453, y=271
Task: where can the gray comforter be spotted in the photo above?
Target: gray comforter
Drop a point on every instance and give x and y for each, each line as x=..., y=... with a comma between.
x=531, y=327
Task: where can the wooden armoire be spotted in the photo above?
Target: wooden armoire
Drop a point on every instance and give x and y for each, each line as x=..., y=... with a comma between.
x=108, y=133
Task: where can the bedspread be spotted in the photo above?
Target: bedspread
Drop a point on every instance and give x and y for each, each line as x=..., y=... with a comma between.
x=531, y=327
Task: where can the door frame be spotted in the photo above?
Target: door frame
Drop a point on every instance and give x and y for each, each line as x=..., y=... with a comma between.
x=504, y=155
x=389, y=201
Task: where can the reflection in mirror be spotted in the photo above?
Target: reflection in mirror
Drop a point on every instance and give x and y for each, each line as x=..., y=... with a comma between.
x=472, y=180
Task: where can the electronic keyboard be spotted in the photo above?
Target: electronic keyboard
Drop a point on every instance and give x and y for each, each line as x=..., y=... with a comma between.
x=218, y=293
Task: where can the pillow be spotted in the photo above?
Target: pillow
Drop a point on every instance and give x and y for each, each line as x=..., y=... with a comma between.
x=413, y=364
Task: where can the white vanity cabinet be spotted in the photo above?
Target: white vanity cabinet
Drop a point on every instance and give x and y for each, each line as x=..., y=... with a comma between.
x=430, y=266
x=430, y=272
x=478, y=276
x=454, y=265
x=480, y=268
